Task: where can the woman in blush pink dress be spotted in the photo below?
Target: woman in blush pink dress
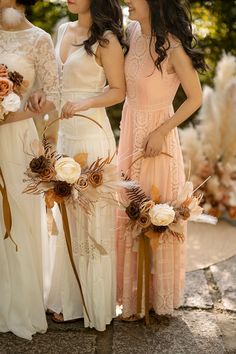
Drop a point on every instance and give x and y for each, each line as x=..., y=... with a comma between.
x=161, y=57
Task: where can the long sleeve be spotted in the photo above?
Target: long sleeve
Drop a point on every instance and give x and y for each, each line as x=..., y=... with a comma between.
x=46, y=68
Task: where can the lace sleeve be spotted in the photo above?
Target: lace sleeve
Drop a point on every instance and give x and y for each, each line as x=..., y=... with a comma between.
x=46, y=68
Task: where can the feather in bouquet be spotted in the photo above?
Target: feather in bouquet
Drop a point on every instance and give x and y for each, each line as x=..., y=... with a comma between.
x=211, y=144
x=12, y=86
x=153, y=221
x=69, y=180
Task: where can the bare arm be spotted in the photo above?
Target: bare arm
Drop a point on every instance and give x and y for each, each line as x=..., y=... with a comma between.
x=22, y=115
x=191, y=85
x=189, y=80
x=111, y=58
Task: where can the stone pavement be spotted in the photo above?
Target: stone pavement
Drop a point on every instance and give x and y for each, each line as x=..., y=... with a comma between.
x=206, y=324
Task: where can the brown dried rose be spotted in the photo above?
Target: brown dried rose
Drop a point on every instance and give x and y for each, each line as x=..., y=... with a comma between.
x=215, y=212
x=133, y=211
x=16, y=78
x=82, y=183
x=6, y=87
x=232, y=212
x=184, y=213
x=62, y=189
x=96, y=179
x=3, y=70
x=144, y=220
x=39, y=164
x=48, y=174
x=159, y=229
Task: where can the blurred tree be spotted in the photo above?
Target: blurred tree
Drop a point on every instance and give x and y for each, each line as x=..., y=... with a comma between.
x=214, y=24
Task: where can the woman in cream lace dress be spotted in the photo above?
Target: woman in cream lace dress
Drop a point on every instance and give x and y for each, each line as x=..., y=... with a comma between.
x=29, y=51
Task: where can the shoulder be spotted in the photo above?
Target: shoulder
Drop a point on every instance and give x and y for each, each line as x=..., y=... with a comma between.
x=42, y=36
x=62, y=27
x=131, y=28
x=111, y=40
x=173, y=41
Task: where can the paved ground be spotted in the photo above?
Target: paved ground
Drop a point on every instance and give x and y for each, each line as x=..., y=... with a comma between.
x=205, y=324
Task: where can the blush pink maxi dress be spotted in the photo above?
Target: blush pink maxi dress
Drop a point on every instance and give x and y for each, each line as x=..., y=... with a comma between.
x=150, y=94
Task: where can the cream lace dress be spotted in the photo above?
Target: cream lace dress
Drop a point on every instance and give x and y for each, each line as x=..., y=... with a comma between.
x=30, y=52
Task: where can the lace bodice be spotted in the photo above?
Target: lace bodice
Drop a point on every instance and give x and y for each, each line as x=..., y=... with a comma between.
x=80, y=72
x=31, y=53
x=142, y=75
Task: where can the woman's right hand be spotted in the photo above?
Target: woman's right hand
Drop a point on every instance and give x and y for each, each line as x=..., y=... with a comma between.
x=36, y=102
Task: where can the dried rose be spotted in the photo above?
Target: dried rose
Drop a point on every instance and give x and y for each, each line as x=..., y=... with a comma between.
x=67, y=170
x=82, y=183
x=62, y=189
x=16, y=78
x=162, y=214
x=3, y=70
x=39, y=164
x=6, y=87
x=133, y=211
x=48, y=174
x=96, y=179
x=184, y=213
x=11, y=102
x=232, y=212
x=159, y=229
x=144, y=220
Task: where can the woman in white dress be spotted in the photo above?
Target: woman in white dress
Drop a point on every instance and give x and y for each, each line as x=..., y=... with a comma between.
x=89, y=53
x=28, y=50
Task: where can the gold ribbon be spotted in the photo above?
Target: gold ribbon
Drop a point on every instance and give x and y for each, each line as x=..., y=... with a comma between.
x=66, y=228
x=6, y=211
x=144, y=269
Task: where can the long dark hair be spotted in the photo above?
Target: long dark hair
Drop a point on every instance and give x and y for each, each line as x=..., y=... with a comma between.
x=173, y=17
x=26, y=2
x=106, y=15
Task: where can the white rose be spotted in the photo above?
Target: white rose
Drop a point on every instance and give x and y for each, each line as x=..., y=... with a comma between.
x=68, y=170
x=162, y=214
x=11, y=102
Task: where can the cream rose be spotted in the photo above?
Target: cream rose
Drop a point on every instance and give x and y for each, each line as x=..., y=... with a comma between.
x=67, y=169
x=11, y=103
x=162, y=214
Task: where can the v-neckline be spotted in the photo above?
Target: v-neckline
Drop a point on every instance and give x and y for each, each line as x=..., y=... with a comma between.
x=59, y=47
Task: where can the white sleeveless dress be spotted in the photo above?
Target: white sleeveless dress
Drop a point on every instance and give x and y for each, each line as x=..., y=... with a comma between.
x=31, y=53
x=81, y=77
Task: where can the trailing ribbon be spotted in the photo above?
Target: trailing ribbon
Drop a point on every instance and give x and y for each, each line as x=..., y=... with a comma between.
x=144, y=268
x=66, y=228
x=6, y=211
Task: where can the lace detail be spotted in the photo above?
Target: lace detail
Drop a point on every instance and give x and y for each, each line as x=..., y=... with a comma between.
x=46, y=68
x=148, y=105
x=31, y=53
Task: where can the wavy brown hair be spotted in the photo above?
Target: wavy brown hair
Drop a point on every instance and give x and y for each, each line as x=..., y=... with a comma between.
x=174, y=17
x=106, y=16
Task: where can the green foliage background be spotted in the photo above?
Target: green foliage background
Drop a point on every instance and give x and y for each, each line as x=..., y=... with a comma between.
x=214, y=22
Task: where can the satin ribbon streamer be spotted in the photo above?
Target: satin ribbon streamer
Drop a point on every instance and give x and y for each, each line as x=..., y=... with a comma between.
x=6, y=210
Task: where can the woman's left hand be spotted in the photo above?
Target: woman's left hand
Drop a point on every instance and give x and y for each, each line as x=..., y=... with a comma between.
x=153, y=144
x=71, y=108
